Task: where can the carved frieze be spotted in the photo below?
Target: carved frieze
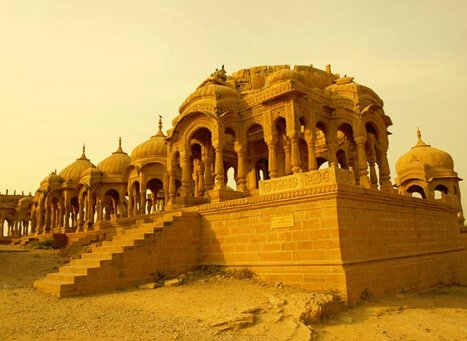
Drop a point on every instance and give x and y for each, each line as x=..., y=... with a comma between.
x=307, y=180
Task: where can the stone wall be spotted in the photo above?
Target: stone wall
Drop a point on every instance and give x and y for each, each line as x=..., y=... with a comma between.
x=338, y=237
x=391, y=243
x=290, y=241
x=463, y=265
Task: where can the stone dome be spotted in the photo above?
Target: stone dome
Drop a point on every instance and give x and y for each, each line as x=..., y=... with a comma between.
x=116, y=163
x=284, y=75
x=423, y=154
x=52, y=179
x=215, y=90
x=92, y=172
x=73, y=172
x=154, y=147
x=212, y=93
x=215, y=94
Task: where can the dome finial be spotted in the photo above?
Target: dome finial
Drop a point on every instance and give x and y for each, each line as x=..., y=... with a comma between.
x=83, y=156
x=119, y=150
x=420, y=142
x=160, y=133
x=84, y=151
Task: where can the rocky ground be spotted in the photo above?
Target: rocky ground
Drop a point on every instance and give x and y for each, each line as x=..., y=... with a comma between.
x=212, y=305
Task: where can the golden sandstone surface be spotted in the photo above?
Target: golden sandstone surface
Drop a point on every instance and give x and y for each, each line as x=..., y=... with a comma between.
x=281, y=170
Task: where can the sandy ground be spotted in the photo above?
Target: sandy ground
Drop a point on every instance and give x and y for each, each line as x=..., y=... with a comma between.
x=211, y=307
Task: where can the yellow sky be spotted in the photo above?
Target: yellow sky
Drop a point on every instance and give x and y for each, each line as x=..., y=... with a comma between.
x=91, y=71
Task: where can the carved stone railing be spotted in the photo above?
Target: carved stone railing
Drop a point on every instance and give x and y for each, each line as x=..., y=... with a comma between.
x=305, y=180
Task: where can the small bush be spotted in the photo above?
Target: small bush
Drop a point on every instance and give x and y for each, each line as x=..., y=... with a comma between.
x=158, y=276
x=243, y=273
x=365, y=295
x=45, y=244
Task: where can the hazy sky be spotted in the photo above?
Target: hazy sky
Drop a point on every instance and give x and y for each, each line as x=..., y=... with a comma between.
x=91, y=71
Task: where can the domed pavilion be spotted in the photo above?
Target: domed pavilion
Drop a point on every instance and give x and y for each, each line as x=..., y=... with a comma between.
x=428, y=173
x=147, y=175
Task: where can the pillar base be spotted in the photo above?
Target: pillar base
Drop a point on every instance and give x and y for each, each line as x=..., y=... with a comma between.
x=386, y=186
x=183, y=201
x=365, y=182
x=217, y=195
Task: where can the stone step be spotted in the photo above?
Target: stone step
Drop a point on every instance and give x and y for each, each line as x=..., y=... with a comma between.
x=109, y=249
x=89, y=263
x=66, y=277
x=79, y=269
x=99, y=269
x=94, y=256
x=119, y=242
x=57, y=288
x=130, y=236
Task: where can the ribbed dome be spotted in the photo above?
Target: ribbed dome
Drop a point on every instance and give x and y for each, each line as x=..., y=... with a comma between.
x=429, y=157
x=73, y=172
x=216, y=90
x=154, y=147
x=52, y=179
x=283, y=75
x=213, y=92
x=116, y=163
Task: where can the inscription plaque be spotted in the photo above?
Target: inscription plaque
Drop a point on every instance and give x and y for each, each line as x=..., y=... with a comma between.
x=282, y=221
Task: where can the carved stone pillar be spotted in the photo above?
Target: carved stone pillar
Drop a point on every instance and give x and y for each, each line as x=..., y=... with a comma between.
x=33, y=219
x=12, y=229
x=165, y=186
x=295, y=159
x=61, y=217
x=288, y=166
x=47, y=217
x=310, y=143
x=121, y=207
x=198, y=178
x=172, y=189
x=98, y=210
x=272, y=162
x=66, y=223
x=241, y=169
x=74, y=217
x=207, y=160
x=80, y=213
x=40, y=218
x=100, y=213
x=362, y=162
x=142, y=205
x=88, y=203
x=57, y=215
x=131, y=202
x=385, y=172
x=220, y=184
x=373, y=176
x=201, y=185
x=53, y=215
x=135, y=195
x=186, y=176
x=332, y=150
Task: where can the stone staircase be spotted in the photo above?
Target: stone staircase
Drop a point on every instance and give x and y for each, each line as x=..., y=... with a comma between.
x=78, y=240
x=168, y=244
